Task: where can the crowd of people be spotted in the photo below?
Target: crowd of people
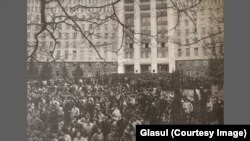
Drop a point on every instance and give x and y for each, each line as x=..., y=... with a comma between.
x=109, y=108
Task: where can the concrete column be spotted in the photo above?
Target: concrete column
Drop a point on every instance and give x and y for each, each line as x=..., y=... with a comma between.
x=172, y=21
x=153, y=16
x=121, y=16
x=137, y=40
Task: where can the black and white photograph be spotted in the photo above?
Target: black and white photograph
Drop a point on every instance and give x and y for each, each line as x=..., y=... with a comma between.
x=98, y=68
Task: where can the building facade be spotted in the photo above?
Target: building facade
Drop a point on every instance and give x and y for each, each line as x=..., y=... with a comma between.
x=164, y=39
x=72, y=47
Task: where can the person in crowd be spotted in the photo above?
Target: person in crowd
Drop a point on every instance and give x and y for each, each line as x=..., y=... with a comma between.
x=79, y=136
x=108, y=108
x=65, y=134
x=88, y=127
x=98, y=136
x=128, y=134
x=75, y=112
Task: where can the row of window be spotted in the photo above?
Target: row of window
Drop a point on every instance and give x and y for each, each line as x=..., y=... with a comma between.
x=146, y=54
x=203, y=30
x=75, y=36
x=146, y=68
x=195, y=50
x=105, y=46
x=68, y=9
x=164, y=54
x=74, y=54
x=146, y=45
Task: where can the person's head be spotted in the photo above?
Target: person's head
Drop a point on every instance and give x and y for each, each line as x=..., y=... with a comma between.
x=61, y=139
x=153, y=103
x=64, y=131
x=129, y=127
x=87, y=120
x=78, y=133
x=99, y=130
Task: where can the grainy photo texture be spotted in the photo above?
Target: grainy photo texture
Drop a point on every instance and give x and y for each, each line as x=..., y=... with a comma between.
x=98, y=68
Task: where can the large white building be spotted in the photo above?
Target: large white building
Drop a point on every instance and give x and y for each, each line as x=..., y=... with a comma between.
x=168, y=49
x=153, y=39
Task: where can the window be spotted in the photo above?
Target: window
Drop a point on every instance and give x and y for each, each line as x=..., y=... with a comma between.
x=131, y=55
x=90, y=36
x=187, y=32
x=37, y=17
x=66, y=54
x=202, y=12
x=219, y=29
x=213, y=51
x=98, y=35
x=74, y=44
x=74, y=35
x=98, y=28
x=83, y=27
x=211, y=30
x=197, y=73
x=205, y=52
x=195, y=39
x=187, y=41
x=145, y=54
x=131, y=46
x=146, y=45
x=105, y=54
x=90, y=26
x=126, y=55
x=66, y=44
x=51, y=44
x=164, y=54
x=60, y=27
x=218, y=10
x=58, y=54
x=106, y=35
x=162, y=44
x=179, y=32
x=159, y=54
x=210, y=10
x=179, y=52
x=196, y=51
x=114, y=27
x=186, y=22
x=67, y=27
x=187, y=52
x=113, y=35
x=106, y=27
x=59, y=35
x=59, y=44
x=163, y=35
x=203, y=31
x=66, y=35
x=74, y=54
